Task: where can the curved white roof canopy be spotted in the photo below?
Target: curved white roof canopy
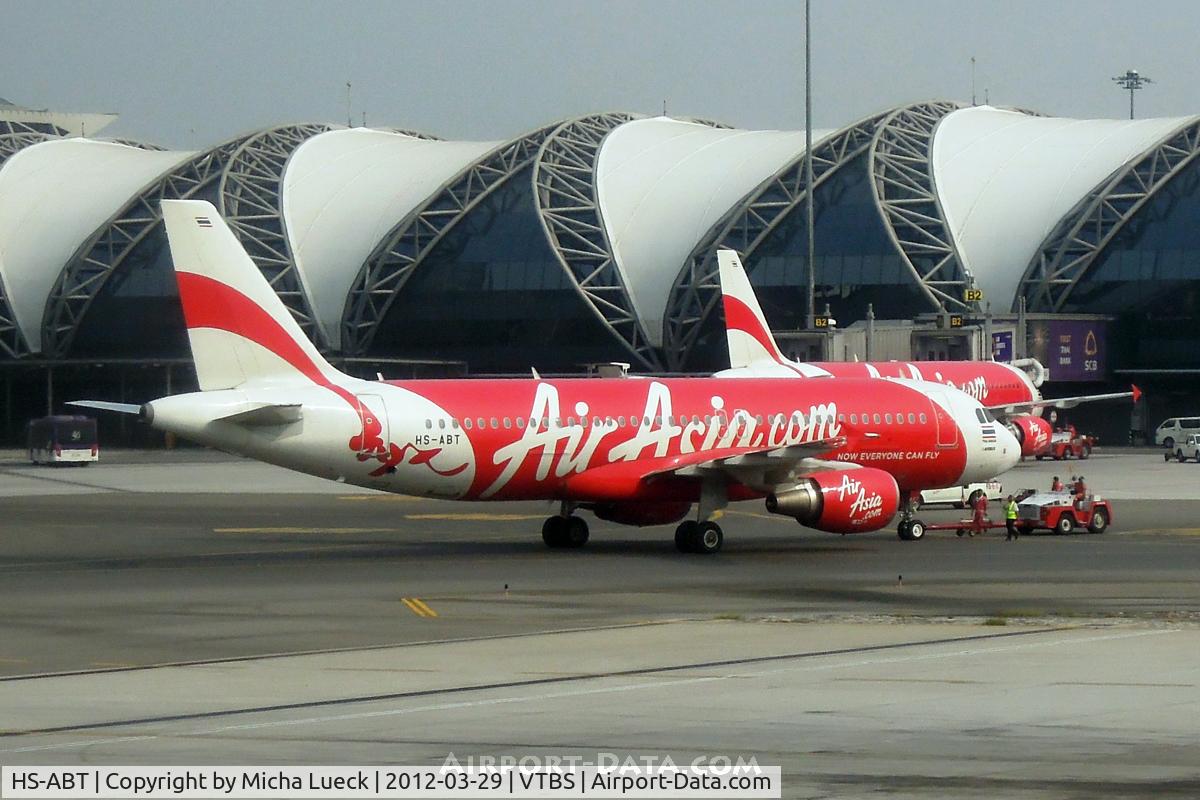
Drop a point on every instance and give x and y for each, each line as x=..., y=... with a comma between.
x=53, y=195
x=1005, y=179
x=663, y=183
x=344, y=190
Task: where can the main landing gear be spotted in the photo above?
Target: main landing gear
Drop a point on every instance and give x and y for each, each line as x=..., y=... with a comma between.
x=565, y=530
x=910, y=529
x=702, y=535
x=698, y=537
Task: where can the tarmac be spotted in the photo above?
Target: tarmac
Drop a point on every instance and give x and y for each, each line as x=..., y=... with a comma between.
x=196, y=608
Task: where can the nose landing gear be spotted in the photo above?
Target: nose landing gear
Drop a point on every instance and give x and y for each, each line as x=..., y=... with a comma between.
x=910, y=529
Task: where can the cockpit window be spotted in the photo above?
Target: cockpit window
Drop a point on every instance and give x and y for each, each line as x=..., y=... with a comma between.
x=984, y=415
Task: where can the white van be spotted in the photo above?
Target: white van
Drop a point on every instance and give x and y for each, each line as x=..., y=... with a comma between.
x=1175, y=430
x=961, y=496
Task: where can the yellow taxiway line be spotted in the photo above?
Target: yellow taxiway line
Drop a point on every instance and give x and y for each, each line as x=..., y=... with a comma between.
x=475, y=516
x=304, y=530
x=418, y=607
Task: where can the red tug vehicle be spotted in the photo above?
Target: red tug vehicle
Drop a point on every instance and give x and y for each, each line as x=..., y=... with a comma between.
x=1068, y=443
x=1063, y=512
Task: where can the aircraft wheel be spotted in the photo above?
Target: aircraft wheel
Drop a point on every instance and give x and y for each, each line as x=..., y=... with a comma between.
x=916, y=530
x=575, y=532
x=685, y=535
x=902, y=530
x=708, y=539
x=554, y=531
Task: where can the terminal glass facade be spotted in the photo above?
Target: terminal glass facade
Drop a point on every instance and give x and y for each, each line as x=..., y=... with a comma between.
x=857, y=264
x=856, y=261
x=493, y=295
x=1149, y=278
x=137, y=313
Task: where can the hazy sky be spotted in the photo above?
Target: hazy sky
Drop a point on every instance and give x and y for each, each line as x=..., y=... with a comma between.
x=190, y=74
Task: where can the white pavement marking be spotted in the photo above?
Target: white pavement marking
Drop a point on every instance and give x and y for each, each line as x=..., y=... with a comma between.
x=631, y=687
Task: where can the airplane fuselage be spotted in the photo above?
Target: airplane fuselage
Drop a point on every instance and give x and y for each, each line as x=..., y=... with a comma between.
x=591, y=440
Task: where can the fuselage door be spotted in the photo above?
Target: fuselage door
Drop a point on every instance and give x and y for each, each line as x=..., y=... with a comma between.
x=947, y=428
x=373, y=413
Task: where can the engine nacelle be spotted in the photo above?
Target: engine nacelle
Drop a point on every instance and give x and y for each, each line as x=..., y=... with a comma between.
x=642, y=514
x=1032, y=432
x=837, y=501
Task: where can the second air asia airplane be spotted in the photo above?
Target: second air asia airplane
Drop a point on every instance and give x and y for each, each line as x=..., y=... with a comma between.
x=1003, y=389
x=837, y=455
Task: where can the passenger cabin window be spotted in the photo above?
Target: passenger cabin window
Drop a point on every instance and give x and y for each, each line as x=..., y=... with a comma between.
x=495, y=423
x=887, y=418
x=467, y=423
x=912, y=418
x=924, y=419
x=429, y=424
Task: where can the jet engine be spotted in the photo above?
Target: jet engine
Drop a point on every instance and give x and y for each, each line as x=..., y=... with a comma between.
x=840, y=501
x=1033, y=433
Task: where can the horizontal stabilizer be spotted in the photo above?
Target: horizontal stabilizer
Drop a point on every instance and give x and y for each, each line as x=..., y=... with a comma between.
x=104, y=405
x=265, y=414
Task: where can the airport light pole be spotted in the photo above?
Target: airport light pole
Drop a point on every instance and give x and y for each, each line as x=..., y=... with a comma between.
x=808, y=169
x=1132, y=81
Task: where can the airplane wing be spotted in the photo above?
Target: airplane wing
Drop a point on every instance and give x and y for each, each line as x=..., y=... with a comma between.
x=695, y=465
x=1062, y=402
x=761, y=468
x=104, y=405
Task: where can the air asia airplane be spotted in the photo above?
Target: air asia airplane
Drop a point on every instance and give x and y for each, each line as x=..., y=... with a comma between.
x=836, y=455
x=1004, y=389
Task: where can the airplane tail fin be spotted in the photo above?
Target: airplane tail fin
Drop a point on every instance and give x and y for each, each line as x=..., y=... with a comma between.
x=750, y=340
x=238, y=328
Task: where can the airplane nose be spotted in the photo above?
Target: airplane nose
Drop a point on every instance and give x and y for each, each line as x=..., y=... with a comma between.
x=1010, y=448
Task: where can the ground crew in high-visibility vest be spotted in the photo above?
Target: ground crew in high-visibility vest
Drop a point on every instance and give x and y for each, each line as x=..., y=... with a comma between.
x=1010, y=518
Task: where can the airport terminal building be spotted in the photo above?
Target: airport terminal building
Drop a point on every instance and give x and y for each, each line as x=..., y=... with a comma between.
x=593, y=239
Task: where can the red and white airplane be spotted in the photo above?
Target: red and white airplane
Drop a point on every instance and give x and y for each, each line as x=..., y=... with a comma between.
x=1004, y=389
x=837, y=455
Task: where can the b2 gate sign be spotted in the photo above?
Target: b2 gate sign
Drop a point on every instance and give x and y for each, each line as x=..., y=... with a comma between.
x=1073, y=350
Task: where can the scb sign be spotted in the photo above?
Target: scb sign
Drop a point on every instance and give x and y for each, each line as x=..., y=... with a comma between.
x=1073, y=350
